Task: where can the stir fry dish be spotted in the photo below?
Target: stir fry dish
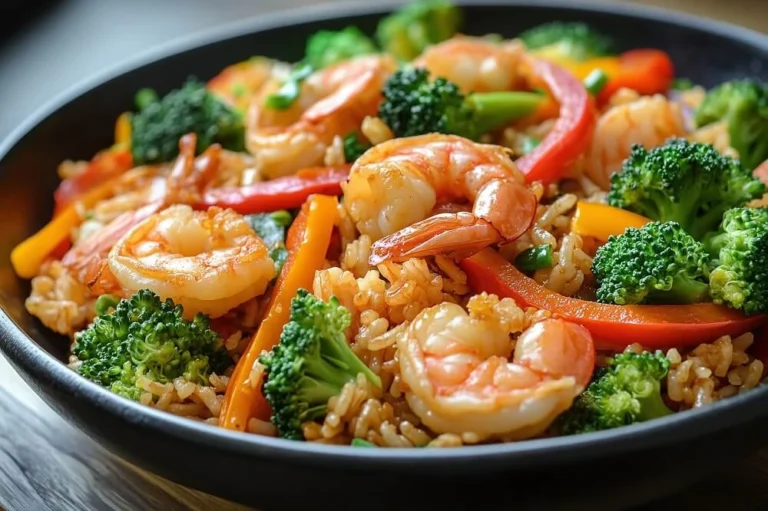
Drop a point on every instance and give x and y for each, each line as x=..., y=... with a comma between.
x=420, y=237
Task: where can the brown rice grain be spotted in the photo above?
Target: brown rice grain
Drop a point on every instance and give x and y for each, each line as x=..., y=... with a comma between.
x=260, y=427
x=334, y=153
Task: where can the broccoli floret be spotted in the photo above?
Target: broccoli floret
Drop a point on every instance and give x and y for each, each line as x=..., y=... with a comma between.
x=626, y=391
x=144, y=336
x=272, y=229
x=567, y=40
x=686, y=182
x=311, y=363
x=158, y=124
x=328, y=47
x=411, y=29
x=743, y=104
x=354, y=148
x=657, y=263
x=739, y=277
x=415, y=105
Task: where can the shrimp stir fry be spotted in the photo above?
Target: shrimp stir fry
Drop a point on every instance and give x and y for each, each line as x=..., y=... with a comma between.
x=393, y=188
x=570, y=242
x=208, y=261
x=466, y=376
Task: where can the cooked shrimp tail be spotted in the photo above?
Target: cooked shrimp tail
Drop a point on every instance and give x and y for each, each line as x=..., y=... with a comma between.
x=459, y=234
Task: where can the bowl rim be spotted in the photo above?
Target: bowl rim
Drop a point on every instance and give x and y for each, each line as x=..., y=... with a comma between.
x=41, y=365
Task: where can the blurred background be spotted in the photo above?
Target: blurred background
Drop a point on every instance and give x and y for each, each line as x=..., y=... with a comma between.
x=47, y=46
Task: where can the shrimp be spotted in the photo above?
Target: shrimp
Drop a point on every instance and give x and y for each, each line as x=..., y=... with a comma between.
x=649, y=121
x=460, y=378
x=333, y=101
x=207, y=261
x=87, y=260
x=142, y=192
x=237, y=83
x=394, y=186
x=475, y=64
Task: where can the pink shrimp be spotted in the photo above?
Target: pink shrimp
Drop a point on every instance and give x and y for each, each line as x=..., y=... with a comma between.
x=464, y=377
x=475, y=64
x=394, y=187
x=333, y=102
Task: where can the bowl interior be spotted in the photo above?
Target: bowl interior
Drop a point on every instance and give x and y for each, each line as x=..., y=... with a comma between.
x=77, y=126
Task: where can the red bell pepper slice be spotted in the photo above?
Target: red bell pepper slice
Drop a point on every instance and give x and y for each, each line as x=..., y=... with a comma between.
x=614, y=326
x=103, y=167
x=281, y=193
x=572, y=131
x=646, y=71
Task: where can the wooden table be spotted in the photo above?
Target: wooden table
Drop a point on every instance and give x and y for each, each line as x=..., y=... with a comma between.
x=46, y=464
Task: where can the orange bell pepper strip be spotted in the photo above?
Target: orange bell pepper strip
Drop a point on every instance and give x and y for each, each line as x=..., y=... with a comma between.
x=28, y=256
x=614, y=326
x=600, y=221
x=307, y=242
x=571, y=133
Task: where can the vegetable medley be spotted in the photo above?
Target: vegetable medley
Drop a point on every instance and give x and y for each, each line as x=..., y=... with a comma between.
x=420, y=238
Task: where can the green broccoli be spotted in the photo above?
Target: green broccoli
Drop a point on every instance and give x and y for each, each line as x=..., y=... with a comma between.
x=323, y=49
x=414, y=105
x=626, y=391
x=272, y=229
x=417, y=25
x=657, y=263
x=682, y=84
x=311, y=363
x=328, y=47
x=146, y=337
x=739, y=249
x=686, y=182
x=354, y=148
x=743, y=104
x=567, y=40
x=159, y=123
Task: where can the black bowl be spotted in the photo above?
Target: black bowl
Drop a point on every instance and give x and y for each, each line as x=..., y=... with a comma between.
x=608, y=470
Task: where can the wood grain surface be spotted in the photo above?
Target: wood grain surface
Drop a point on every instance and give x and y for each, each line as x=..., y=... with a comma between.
x=46, y=464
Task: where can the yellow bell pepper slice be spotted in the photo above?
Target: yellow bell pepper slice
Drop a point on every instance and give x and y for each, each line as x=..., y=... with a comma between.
x=600, y=221
x=123, y=130
x=28, y=256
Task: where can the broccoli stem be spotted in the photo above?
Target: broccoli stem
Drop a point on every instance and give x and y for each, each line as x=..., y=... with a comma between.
x=713, y=243
x=684, y=290
x=494, y=109
x=652, y=407
x=106, y=302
